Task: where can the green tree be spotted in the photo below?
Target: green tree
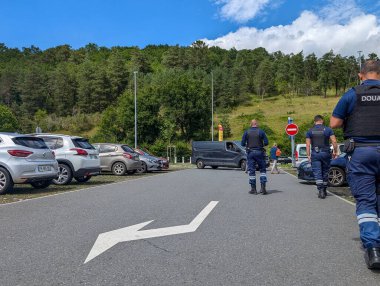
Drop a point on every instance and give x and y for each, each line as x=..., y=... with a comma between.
x=186, y=100
x=324, y=66
x=264, y=80
x=63, y=86
x=34, y=90
x=117, y=73
x=8, y=121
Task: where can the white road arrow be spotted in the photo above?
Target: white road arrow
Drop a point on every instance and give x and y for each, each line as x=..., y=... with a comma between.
x=108, y=239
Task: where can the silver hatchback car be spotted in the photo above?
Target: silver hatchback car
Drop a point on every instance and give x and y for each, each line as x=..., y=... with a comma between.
x=25, y=160
x=118, y=158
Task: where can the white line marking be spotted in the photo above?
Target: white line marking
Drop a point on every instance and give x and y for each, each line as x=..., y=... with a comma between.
x=347, y=201
x=89, y=188
x=108, y=239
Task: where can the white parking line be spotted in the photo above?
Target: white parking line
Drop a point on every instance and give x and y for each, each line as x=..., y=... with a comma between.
x=347, y=201
x=83, y=189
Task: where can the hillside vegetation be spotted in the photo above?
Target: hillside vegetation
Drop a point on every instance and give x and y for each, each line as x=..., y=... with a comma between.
x=273, y=114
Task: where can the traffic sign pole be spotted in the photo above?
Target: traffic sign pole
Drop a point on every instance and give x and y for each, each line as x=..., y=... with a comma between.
x=291, y=135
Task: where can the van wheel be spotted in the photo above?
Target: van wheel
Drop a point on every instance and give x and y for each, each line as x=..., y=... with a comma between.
x=65, y=175
x=243, y=165
x=214, y=167
x=200, y=164
x=6, y=183
x=41, y=184
x=337, y=177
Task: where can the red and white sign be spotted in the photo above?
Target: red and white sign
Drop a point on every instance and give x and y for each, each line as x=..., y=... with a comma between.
x=291, y=129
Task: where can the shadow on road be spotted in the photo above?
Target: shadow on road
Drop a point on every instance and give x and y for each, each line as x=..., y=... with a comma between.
x=270, y=192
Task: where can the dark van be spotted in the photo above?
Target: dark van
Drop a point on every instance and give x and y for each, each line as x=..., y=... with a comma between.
x=218, y=154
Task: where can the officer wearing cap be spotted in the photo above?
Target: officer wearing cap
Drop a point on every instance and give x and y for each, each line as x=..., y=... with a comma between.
x=254, y=139
x=318, y=152
x=358, y=113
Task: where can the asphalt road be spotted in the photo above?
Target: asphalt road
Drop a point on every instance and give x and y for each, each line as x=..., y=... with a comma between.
x=289, y=237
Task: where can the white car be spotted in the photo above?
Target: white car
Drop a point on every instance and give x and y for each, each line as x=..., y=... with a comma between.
x=300, y=154
x=25, y=160
x=76, y=157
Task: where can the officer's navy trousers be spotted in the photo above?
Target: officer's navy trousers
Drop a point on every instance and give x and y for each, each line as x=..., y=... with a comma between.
x=320, y=163
x=363, y=168
x=256, y=157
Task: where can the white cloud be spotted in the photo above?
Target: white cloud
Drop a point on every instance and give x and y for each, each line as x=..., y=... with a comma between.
x=240, y=10
x=344, y=31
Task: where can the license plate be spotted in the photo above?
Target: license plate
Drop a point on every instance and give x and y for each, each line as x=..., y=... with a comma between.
x=93, y=157
x=44, y=168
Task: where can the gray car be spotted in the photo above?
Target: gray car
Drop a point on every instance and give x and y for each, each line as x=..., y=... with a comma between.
x=149, y=162
x=25, y=160
x=118, y=158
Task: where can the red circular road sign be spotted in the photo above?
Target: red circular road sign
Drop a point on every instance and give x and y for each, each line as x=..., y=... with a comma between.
x=291, y=129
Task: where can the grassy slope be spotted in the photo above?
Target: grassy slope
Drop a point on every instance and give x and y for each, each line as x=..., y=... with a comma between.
x=276, y=111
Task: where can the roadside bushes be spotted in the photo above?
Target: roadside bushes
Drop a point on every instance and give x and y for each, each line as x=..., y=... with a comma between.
x=8, y=121
x=160, y=148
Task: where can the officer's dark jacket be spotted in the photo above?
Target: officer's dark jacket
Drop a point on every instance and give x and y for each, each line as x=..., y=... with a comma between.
x=364, y=120
x=254, y=138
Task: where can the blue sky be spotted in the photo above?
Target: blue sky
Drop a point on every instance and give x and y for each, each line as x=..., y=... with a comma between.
x=48, y=23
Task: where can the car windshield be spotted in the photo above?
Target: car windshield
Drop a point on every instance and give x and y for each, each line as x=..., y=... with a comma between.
x=82, y=143
x=31, y=142
x=126, y=148
x=142, y=152
x=302, y=151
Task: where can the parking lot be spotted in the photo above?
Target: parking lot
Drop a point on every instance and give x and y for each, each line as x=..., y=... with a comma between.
x=24, y=192
x=141, y=232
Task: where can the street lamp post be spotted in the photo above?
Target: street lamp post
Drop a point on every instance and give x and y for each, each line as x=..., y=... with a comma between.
x=212, y=106
x=360, y=62
x=135, y=80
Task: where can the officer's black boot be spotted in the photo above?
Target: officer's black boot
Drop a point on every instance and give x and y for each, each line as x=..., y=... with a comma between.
x=373, y=258
x=263, y=189
x=253, y=190
x=321, y=193
x=325, y=191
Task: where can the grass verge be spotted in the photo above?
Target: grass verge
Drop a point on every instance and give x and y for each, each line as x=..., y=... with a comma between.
x=25, y=192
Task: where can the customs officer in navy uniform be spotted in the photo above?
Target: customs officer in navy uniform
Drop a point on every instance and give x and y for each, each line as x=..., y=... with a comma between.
x=358, y=112
x=318, y=152
x=255, y=139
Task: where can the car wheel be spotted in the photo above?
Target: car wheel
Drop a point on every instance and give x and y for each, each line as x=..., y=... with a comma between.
x=337, y=177
x=214, y=167
x=41, y=184
x=119, y=169
x=83, y=179
x=200, y=164
x=143, y=168
x=6, y=183
x=243, y=165
x=65, y=175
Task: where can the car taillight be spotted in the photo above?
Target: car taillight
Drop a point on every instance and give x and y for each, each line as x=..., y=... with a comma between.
x=296, y=154
x=127, y=155
x=79, y=151
x=20, y=153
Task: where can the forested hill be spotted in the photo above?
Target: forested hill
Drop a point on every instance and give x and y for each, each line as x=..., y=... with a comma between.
x=91, y=88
